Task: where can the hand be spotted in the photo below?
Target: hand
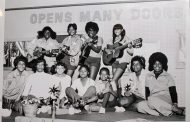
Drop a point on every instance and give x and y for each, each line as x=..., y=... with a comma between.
x=127, y=93
x=90, y=44
x=130, y=45
x=108, y=51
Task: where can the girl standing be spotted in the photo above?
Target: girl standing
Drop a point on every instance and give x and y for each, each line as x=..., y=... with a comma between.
x=94, y=43
x=119, y=66
x=71, y=45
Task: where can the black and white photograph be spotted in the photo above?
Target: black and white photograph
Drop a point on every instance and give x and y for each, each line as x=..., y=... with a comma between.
x=94, y=61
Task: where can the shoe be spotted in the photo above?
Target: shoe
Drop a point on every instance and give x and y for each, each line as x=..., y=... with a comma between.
x=102, y=110
x=71, y=110
x=178, y=111
x=5, y=112
x=76, y=111
x=119, y=109
x=87, y=107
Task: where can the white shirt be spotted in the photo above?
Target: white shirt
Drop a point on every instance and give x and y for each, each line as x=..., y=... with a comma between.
x=77, y=84
x=39, y=84
x=47, y=45
x=137, y=86
x=100, y=86
x=65, y=82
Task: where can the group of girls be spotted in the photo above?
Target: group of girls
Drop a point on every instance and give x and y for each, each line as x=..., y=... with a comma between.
x=141, y=91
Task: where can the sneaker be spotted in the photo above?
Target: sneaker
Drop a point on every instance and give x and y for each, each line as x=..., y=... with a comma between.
x=119, y=109
x=71, y=110
x=76, y=111
x=87, y=107
x=5, y=112
x=102, y=110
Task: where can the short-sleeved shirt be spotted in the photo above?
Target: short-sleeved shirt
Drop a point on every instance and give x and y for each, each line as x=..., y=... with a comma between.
x=100, y=86
x=47, y=45
x=39, y=84
x=161, y=84
x=126, y=57
x=13, y=85
x=75, y=44
x=137, y=85
x=77, y=84
x=99, y=43
x=65, y=82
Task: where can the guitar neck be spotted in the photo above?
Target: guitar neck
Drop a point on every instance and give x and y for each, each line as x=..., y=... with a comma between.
x=124, y=46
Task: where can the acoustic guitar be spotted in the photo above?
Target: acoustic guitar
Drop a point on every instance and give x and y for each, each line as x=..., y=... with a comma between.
x=112, y=52
x=40, y=52
x=85, y=50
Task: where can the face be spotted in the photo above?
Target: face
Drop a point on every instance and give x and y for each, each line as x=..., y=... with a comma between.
x=71, y=31
x=157, y=66
x=40, y=67
x=91, y=33
x=118, y=32
x=21, y=66
x=83, y=72
x=104, y=75
x=137, y=67
x=60, y=69
x=47, y=34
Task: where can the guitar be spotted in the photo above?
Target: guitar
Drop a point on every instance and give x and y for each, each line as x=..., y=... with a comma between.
x=40, y=52
x=85, y=51
x=112, y=52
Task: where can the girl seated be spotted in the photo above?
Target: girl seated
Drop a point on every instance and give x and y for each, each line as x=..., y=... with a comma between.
x=161, y=95
x=106, y=90
x=82, y=90
x=65, y=81
x=133, y=88
x=14, y=84
x=39, y=83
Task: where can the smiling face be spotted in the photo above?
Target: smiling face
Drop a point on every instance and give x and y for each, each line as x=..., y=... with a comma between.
x=60, y=69
x=71, y=31
x=47, y=34
x=83, y=72
x=158, y=68
x=91, y=33
x=137, y=67
x=118, y=31
x=21, y=66
x=40, y=67
x=104, y=75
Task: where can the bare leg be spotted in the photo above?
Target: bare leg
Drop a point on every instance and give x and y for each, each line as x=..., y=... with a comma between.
x=72, y=95
x=108, y=100
x=117, y=73
x=90, y=94
x=93, y=72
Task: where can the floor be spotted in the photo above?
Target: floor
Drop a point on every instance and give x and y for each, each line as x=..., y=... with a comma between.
x=109, y=116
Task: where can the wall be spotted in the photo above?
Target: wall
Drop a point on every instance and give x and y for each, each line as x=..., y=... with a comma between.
x=158, y=23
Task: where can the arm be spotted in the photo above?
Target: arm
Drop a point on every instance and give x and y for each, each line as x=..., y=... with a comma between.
x=111, y=89
x=76, y=47
x=31, y=46
x=173, y=94
x=97, y=48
